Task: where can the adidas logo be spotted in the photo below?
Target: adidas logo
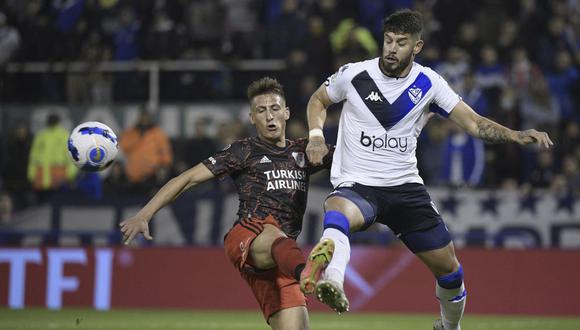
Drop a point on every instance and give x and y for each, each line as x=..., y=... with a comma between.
x=265, y=160
x=374, y=96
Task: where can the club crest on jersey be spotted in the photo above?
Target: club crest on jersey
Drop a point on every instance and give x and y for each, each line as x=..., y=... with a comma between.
x=299, y=158
x=415, y=94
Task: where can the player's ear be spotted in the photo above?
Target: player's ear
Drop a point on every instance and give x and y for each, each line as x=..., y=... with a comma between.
x=251, y=115
x=418, y=47
x=286, y=113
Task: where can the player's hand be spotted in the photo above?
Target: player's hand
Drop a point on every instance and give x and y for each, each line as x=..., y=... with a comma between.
x=532, y=136
x=133, y=226
x=316, y=149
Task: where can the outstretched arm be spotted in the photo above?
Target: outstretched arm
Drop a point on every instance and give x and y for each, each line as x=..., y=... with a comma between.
x=167, y=194
x=492, y=132
x=316, y=112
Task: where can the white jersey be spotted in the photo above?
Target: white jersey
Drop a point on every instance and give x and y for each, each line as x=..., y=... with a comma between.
x=381, y=120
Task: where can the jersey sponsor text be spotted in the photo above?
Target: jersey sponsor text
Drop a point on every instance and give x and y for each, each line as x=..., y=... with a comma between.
x=286, y=179
x=384, y=142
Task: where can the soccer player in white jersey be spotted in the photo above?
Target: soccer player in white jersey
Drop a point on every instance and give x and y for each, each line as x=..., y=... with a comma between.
x=387, y=101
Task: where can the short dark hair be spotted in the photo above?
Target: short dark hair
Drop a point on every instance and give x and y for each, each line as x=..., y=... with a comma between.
x=265, y=85
x=52, y=119
x=404, y=21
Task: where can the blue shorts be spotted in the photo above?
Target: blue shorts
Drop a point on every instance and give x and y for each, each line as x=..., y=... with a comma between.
x=406, y=209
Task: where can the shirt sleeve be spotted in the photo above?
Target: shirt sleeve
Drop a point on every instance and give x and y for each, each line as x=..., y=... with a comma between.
x=227, y=161
x=336, y=85
x=445, y=97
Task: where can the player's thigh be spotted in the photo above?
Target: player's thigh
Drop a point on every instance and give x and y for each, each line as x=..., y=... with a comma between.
x=261, y=247
x=348, y=208
x=440, y=261
x=293, y=318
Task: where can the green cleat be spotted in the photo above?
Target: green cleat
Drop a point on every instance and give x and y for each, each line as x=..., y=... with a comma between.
x=332, y=294
x=317, y=261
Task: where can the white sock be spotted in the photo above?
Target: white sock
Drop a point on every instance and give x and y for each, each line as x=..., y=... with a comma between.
x=451, y=311
x=337, y=266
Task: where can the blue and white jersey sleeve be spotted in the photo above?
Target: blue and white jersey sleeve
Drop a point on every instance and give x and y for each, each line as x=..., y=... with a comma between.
x=444, y=97
x=337, y=85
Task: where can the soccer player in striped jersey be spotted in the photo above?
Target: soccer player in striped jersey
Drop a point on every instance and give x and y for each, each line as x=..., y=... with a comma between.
x=387, y=102
x=271, y=176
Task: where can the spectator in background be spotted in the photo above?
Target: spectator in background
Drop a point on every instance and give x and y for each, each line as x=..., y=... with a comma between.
x=148, y=154
x=91, y=85
x=539, y=108
x=241, y=37
x=468, y=39
x=296, y=129
x=162, y=37
x=544, y=171
x=562, y=81
x=352, y=43
x=463, y=159
x=230, y=131
x=508, y=37
x=523, y=71
x=50, y=167
x=9, y=40
x=316, y=44
x=569, y=180
x=454, y=68
x=16, y=153
x=553, y=41
x=205, y=23
x=431, y=150
x=5, y=208
x=490, y=73
x=200, y=146
x=116, y=182
x=287, y=29
x=127, y=48
x=430, y=56
x=297, y=63
x=125, y=37
x=474, y=95
x=570, y=139
x=71, y=28
x=37, y=35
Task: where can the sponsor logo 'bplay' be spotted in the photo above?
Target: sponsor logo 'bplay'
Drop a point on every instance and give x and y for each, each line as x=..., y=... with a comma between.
x=384, y=142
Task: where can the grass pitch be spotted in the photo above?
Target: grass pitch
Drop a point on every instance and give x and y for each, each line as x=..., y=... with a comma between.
x=252, y=320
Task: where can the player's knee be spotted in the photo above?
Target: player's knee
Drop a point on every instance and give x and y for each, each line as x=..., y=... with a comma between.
x=452, y=280
x=347, y=208
x=336, y=220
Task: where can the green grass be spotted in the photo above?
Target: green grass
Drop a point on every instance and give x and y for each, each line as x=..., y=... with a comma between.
x=252, y=320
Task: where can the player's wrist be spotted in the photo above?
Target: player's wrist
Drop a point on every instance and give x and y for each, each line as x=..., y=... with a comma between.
x=315, y=133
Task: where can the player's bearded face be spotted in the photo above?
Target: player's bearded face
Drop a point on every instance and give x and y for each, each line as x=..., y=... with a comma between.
x=269, y=114
x=399, y=50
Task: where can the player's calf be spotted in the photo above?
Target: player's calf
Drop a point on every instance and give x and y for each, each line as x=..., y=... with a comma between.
x=452, y=295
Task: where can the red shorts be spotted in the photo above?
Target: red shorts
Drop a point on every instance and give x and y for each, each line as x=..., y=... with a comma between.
x=273, y=290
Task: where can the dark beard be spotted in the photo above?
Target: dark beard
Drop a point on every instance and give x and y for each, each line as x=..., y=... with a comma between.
x=396, y=72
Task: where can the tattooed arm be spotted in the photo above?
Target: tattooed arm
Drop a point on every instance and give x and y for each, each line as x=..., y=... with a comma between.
x=492, y=132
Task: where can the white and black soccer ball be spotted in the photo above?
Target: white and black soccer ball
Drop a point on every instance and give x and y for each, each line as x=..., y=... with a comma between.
x=92, y=146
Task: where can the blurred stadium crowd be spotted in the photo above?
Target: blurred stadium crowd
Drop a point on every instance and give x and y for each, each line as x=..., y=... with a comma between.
x=513, y=61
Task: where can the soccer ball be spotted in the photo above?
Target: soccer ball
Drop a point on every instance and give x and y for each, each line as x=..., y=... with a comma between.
x=92, y=146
